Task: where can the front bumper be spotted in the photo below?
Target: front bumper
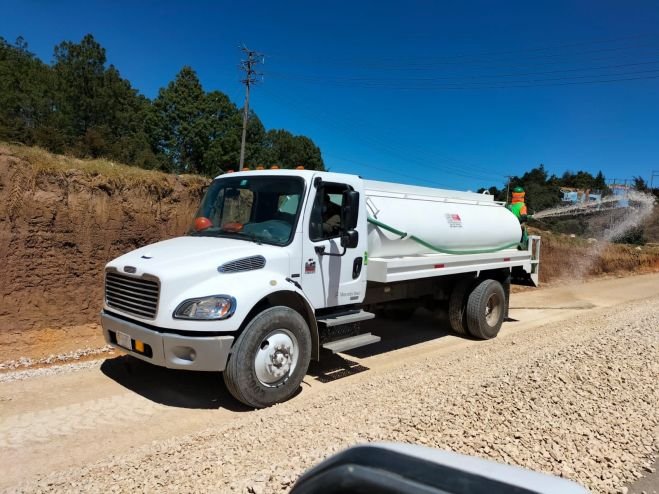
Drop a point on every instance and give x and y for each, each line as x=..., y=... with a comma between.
x=205, y=353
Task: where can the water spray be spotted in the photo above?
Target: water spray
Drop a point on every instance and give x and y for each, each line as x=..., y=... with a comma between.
x=631, y=210
x=605, y=204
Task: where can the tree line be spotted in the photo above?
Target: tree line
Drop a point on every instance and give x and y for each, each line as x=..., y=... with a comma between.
x=544, y=191
x=80, y=105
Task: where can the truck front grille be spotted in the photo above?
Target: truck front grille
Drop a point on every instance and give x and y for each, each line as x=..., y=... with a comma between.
x=137, y=296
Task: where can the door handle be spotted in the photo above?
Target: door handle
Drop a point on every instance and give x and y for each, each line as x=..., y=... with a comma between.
x=357, y=267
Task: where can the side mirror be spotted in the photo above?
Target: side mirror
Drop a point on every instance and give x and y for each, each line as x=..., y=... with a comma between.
x=350, y=239
x=349, y=210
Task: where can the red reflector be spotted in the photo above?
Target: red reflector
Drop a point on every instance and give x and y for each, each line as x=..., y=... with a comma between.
x=506, y=259
x=437, y=266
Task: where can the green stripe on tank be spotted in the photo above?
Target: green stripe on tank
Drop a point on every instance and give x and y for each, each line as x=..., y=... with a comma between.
x=442, y=250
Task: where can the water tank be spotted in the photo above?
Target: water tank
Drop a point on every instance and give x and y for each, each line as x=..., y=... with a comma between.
x=435, y=220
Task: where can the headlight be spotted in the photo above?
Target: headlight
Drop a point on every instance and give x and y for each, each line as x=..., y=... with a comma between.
x=206, y=308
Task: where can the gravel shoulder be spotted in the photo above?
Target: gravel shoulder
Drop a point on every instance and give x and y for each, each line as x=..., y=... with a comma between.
x=571, y=389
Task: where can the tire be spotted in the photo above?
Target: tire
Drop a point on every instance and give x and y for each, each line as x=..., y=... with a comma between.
x=270, y=358
x=486, y=307
x=457, y=305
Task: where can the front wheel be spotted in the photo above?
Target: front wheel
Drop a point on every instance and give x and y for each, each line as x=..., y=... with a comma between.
x=270, y=358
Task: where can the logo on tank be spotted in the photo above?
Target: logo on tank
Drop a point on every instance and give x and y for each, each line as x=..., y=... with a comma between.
x=453, y=220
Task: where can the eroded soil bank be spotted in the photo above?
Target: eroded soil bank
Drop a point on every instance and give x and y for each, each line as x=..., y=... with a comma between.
x=59, y=226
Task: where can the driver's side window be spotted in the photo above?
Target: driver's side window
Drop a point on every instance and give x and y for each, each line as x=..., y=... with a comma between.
x=326, y=213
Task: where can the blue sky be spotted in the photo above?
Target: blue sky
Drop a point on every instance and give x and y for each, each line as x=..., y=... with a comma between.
x=423, y=92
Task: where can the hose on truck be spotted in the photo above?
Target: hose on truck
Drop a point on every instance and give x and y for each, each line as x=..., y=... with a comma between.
x=436, y=248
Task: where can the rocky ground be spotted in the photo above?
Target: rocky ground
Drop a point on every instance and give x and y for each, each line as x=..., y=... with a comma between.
x=578, y=398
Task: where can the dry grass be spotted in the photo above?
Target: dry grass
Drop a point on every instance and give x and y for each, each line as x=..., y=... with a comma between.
x=567, y=258
x=103, y=173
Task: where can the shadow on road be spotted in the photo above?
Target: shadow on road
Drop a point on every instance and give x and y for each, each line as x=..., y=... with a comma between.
x=206, y=390
x=421, y=327
x=175, y=388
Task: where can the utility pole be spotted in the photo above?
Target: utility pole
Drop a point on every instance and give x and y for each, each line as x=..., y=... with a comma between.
x=253, y=58
x=655, y=173
x=508, y=188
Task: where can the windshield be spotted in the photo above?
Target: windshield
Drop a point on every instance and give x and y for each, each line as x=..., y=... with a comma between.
x=260, y=209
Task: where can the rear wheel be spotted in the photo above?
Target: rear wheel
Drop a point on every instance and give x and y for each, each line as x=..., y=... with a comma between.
x=457, y=305
x=270, y=358
x=486, y=306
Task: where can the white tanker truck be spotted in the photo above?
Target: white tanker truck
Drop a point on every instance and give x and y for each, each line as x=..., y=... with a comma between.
x=281, y=266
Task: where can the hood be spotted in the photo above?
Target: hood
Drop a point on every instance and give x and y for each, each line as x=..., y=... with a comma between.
x=183, y=256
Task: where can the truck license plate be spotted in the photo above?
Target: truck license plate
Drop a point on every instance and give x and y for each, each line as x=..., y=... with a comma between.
x=124, y=340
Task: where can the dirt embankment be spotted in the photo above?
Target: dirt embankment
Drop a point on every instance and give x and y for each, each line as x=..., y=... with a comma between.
x=565, y=258
x=62, y=219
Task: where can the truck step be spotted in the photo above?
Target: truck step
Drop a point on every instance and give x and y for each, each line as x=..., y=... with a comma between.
x=345, y=344
x=345, y=318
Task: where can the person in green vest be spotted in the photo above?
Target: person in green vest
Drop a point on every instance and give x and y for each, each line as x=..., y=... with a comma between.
x=518, y=208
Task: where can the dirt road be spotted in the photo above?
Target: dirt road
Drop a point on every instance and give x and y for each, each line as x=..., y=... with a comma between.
x=125, y=423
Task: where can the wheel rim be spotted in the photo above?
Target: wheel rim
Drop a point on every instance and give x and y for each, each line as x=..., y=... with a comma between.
x=493, y=309
x=276, y=358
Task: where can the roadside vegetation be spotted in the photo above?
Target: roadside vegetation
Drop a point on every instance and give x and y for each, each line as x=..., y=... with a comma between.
x=29, y=166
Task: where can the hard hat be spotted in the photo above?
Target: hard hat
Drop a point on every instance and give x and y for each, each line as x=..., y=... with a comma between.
x=518, y=189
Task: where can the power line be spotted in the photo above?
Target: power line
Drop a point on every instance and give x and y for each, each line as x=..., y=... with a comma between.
x=548, y=82
x=570, y=74
x=403, y=154
x=488, y=59
x=253, y=59
x=649, y=50
x=494, y=64
x=353, y=126
x=347, y=127
x=386, y=170
x=466, y=77
x=475, y=57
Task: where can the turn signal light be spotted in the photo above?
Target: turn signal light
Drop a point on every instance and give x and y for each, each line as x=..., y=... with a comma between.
x=139, y=346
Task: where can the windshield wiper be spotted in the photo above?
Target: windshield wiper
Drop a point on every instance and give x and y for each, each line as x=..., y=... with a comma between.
x=251, y=237
x=228, y=234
